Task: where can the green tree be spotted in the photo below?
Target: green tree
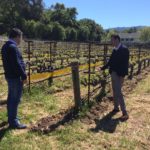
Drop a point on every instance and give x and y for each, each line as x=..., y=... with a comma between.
x=15, y=12
x=31, y=9
x=58, y=32
x=71, y=34
x=56, y=23
x=107, y=35
x=58, y=6
x=9, y=14
x=95, y=29
x=83, y=33
x=46, y=17
x=65, y=16
x=30, y=28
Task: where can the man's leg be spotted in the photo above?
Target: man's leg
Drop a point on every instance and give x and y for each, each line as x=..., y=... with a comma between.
x=121, y=97
x=118, y=82
x=14, y=96
x=113, y=80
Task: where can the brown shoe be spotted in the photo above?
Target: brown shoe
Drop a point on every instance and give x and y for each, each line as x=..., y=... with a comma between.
x=124, y=117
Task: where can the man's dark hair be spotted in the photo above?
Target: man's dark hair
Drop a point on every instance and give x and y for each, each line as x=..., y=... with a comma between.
x=115, y=36
x=15, y=32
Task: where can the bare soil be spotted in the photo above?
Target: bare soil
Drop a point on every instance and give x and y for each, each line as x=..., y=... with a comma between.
x=100, y=110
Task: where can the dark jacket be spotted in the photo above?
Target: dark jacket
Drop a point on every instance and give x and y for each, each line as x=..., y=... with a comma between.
x=14, y=66
x=119, y=61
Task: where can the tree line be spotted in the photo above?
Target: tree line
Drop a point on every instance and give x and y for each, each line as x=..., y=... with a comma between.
x=55, y=23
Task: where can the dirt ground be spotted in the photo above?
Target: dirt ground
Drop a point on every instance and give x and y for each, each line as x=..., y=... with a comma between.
x=103, y=110
x=105, y=130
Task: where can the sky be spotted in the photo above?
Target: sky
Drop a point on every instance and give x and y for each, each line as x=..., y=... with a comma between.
x=110, y=13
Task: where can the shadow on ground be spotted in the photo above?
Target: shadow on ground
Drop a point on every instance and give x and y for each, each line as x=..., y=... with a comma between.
x=50, y=123
x=106, y=124
x=3, y=129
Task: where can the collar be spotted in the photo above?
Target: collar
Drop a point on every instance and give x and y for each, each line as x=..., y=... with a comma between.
x=116, y=48
x=10, y=40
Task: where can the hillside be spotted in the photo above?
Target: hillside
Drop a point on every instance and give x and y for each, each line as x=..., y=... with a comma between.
x=120, y=29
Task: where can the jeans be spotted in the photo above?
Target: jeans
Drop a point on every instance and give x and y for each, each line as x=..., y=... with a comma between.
x=15, y=87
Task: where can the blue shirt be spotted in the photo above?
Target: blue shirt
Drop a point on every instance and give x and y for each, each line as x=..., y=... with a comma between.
x=14, y=66
x=12, y=41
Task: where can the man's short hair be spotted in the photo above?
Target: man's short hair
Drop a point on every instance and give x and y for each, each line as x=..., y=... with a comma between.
x=115, y=36
x=15, y=32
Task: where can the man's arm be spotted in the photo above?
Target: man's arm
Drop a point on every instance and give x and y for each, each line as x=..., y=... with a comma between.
x=108, y=63
x=16, y=63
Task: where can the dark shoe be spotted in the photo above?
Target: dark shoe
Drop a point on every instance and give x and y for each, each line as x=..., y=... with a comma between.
x=115, y=110
x=124, y=117
x=18, y=126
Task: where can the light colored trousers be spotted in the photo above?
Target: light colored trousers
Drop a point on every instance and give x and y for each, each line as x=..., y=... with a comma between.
x=117, y=83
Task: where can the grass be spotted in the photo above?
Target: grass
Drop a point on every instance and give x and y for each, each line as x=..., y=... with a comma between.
x=3, y=87
x=143, y=87
x=130, y=135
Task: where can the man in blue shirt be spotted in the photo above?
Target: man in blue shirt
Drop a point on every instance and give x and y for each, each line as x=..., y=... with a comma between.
x=14, y=69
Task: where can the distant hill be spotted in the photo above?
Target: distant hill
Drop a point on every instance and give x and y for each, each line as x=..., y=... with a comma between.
x=120, y=29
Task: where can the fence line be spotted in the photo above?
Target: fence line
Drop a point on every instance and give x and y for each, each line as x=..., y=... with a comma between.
x=45, y=56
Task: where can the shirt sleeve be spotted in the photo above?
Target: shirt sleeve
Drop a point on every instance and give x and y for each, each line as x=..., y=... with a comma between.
x=16, y=63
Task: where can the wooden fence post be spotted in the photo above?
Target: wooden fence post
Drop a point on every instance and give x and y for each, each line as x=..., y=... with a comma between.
x=131, y=72
x=148, y=62
x=50, y=80
x=89, y=72
x=29, y=57
x=76, y=84
x=104, y=73
x=144, y=63
x=50, y=68
x=139, y=60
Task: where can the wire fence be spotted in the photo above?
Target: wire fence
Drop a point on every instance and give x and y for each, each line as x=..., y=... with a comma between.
x=51, y=60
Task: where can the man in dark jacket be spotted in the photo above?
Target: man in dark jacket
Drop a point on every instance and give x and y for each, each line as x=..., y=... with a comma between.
x=14, y=68
x=118, y=68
